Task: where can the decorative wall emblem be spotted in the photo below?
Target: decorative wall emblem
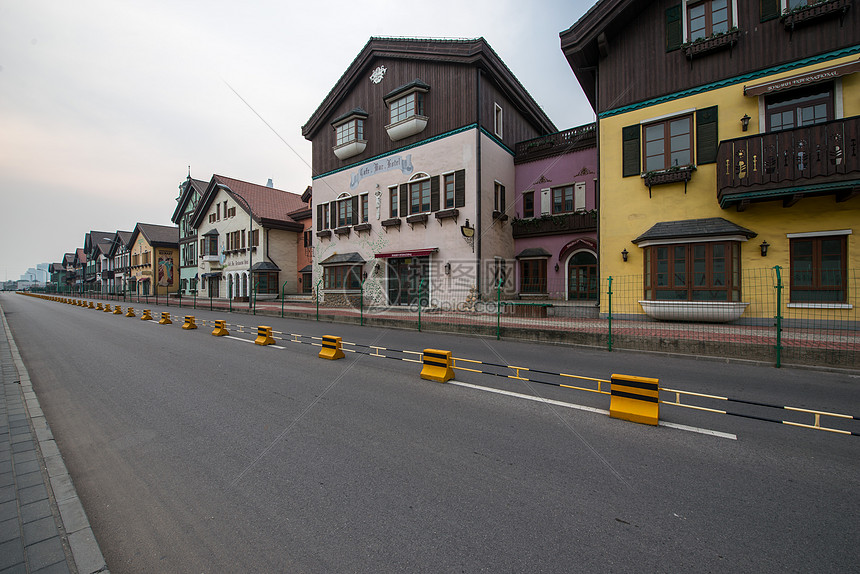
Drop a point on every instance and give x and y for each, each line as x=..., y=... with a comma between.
x=404, y=164
x=378, y=74
x=378, y=194
x=543, y=179
x=584, y=171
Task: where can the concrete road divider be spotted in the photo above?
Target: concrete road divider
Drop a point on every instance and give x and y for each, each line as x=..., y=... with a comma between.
x=99, y=307
x=264, y=336
x=130, y=312
x=117, y=310
x=220, y=328
x=437, y=365
x=332, y=348
x=147, y=315
x=165, y=318
x=189, y=322
x=635, y=399
x=107, y=308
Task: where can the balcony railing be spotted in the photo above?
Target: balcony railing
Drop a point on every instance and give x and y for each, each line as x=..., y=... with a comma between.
x=813, y=160
x=558, y=143
x=581, y=222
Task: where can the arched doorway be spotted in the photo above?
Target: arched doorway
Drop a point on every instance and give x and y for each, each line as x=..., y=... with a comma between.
x=582, y=280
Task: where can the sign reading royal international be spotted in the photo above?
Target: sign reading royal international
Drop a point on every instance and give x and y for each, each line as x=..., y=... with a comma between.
x=404, y=164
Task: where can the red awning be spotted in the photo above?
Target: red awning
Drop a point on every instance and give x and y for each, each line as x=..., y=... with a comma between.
x=411, y=253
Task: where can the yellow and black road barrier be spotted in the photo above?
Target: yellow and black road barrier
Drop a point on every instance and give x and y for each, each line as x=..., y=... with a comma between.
x=635, y=399
x=147, y=315
x=130, y=312
x=189, y=322
x=106, y=308
x=264, y=336
x=99, y=307
x=332, y=348
x=117, y=310
x=220, y=329
x=438, y=365
x=165, y=318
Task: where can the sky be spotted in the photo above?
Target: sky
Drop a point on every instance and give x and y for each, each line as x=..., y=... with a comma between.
x=104, y=104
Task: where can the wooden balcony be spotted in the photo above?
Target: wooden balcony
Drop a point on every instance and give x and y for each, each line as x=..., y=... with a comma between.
x=571, y=140
x=581, y=222
x=823, y=159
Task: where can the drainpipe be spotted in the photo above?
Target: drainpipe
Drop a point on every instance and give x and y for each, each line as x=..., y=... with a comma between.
x=478, y=217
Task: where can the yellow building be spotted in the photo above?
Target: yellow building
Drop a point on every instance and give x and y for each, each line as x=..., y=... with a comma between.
x=154, y=262
x=728, y=142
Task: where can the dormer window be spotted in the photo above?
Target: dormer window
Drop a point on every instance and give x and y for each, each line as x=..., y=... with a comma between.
x=349, y=134
x=407, y=109
x=708, y=18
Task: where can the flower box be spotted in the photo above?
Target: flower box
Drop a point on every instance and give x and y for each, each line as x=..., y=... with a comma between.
x=804, y=14
x=713, y=44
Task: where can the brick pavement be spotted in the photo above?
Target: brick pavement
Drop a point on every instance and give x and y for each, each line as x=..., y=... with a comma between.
x=43, y=527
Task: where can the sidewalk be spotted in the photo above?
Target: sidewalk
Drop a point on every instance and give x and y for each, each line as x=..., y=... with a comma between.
x=43, y=527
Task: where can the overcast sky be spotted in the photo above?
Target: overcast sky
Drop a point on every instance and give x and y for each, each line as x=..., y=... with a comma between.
x=105, y=103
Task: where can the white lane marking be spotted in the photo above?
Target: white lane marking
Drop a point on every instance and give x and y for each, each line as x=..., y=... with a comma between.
x=250, y=341
x=531, y=398
x=710, y=432
x=590, y=409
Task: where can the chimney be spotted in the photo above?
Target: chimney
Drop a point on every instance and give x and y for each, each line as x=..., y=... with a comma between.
x=270, y=183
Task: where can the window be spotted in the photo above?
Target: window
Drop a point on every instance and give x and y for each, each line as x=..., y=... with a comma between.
x=218, y=211
x=569, y=198
x=409, y=105
x=419, y=194
x=798, y=108
x=392, y=201
x=211, y=218
x=364, y=206
x=533, y=276
x=341, y=277
x=529, y=204
x=255, y=238
x=497, y=120
x=232, y=212
x=351, y=131
x=308, y=238
x=450, y=186
x=818, y=269
x=498, y=197
x=266, y=282
x=344, y=212
x=707, y=18
x=693, y=272
x=668, y=144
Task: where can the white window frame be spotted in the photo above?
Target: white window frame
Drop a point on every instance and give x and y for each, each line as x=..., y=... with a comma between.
x=733, y=15
x=498, y=120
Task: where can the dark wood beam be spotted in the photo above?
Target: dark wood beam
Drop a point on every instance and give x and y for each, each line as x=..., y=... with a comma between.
x=789, y=201
x=847, y=194
x=742, y=205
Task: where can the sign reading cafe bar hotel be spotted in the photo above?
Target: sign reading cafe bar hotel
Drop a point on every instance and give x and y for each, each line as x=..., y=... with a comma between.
x=413, y=144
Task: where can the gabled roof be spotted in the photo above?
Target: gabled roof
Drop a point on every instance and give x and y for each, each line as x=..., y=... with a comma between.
x=120, y=238
x=156, y=235
x=706, y=227
x=270, y=207
x=475, y=52
x=340, y=258
x=56, y=267
x=187, y=189
x=80, y=256
x=307, y=195
x=69, y=259
x=585, y=41
x=93, y=238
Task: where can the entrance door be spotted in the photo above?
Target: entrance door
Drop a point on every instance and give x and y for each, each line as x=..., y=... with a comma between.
x=582, y=277
x=214, y=287
x=404, y=280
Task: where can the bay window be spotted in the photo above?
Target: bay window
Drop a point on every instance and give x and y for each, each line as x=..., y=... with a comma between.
x=707, y=271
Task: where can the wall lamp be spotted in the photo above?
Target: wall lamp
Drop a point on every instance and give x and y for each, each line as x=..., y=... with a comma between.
x=624, y=255
x=764, y=245
x=448, y=268
x=745, y=122
x=556, y=267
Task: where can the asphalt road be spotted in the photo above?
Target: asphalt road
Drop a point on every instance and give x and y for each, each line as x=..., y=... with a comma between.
x=199, y=454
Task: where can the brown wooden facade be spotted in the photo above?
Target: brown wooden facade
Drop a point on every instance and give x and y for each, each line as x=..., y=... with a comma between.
x=466, y=80
x=764, y=39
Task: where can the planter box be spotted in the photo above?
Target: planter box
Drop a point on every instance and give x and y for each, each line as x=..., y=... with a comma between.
x=815, y=11
x=393, y=222
x=324, y=233
x=726, y=40
x=698, y=311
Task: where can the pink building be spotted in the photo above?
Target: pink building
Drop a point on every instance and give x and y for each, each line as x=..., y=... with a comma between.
x=555, y=224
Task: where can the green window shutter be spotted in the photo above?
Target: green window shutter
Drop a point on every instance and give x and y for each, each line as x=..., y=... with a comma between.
x=404, y=200
x=630, y=164
x=319, y=217
x=332, y=220
x=460, y=188
x=707, y=138
x=354, y=219
x=769, y=9
x=434, y=193
x=674, y=28
x=502, y=198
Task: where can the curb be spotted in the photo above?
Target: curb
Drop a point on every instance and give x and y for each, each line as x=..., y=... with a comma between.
x=82, y=542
